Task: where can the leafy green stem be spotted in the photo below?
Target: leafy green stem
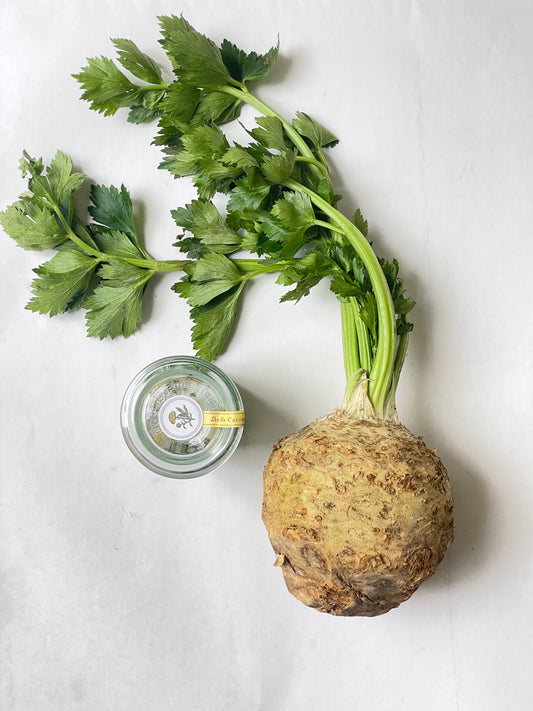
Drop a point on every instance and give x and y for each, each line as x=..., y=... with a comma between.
x=401, y=352
x=329, y=226
x=78, y=241
x=260, y=268
x=153, y=265
x=163, y=86
x=245, y=95
x=158, y=265
x=313, y=161
x=350, y=347
x=363, y=339
x=380, y=376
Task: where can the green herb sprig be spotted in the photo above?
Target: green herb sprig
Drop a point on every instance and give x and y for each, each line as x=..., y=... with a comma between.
x=100, y=266
x=281, y=213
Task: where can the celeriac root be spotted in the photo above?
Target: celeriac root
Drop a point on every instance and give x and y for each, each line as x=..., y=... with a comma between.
x=359, y=513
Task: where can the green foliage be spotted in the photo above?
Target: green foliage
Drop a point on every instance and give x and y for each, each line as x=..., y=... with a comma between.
x=100, y=266
x=207, y=278
x=33, y=227
x=62, y=283
x=280, y=212
x=209, y=229
x=139, y=64
x=270, y=134
x=115, y=306
x=105, y=87
x=304, y=274
x=319, y=136
x=195, y=58
x=247, y=67
x=111, y=209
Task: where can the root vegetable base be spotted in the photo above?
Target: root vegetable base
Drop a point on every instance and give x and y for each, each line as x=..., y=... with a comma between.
x=359, y=513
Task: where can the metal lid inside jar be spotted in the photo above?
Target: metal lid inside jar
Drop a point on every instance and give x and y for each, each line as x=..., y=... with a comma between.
x=182, y=417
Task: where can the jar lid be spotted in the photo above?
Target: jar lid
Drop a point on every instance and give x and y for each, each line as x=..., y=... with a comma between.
x=182, y=417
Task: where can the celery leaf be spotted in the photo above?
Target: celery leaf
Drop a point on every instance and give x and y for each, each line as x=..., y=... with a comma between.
x=62, y=282
x=319, y=136
x=213, y=323
x=111, y=209
x=207, y=278
x=105, y=87
x=195, y=58
x=32, y=227
x=139, y=64
x=202, y=218
x=115, y=306
x=247, y=67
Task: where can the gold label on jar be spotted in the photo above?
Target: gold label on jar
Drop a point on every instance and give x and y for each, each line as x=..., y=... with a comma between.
x=224, y=419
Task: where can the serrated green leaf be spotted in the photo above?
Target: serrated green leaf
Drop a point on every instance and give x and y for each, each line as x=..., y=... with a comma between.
x=368, y=313
x=251, y=242
x=183, y=216
x=112, y=208
x=203, y=146
x=180, y=103
x=306, y=273
x=152, y=99
x=195, y=58
x=105, y=87
x=206, y=223
x=115, y=307
x=214, y=266
x=344, y=288
x=325, y=189
x=278, y=168
x=62, y=282
x=404, y=327
x=62, y=181
x=360, y=222
x=215, y=179
x=218, y=108
x=213, y=323
x=30, y=166
x=391, y=270
x=403, y=305
x=273, y=229
x=56, y=183
x=181, y=165
x=319, y=136
x=245, y=197
x=269, y=133
x=240, y=156
x=117, y=244
x=32, y=227
x=139, y=64
x=248, y=67
x=295, y=210
x=207, y=278
x=140, y=114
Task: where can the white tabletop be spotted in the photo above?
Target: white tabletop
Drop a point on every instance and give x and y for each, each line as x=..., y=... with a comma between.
x=124, y=590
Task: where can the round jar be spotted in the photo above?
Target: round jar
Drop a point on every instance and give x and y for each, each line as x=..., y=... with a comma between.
x=182, y=417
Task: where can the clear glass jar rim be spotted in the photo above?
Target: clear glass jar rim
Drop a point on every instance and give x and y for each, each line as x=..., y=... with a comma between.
x=167, y=369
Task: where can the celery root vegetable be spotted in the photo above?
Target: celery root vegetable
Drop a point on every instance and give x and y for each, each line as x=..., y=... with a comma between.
x=358, y=510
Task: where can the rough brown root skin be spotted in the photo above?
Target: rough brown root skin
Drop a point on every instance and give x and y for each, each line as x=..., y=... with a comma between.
x=359, y=513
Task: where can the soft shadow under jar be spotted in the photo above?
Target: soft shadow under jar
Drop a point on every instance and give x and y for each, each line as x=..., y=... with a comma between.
x=182, y=417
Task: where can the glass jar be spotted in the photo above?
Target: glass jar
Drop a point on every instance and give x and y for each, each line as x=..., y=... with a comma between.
x=182, y=417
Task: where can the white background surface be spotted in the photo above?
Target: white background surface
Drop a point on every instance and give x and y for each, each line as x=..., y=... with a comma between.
x=122, y=590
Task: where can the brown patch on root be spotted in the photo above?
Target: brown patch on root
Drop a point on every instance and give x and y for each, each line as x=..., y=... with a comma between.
x=359, y=513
